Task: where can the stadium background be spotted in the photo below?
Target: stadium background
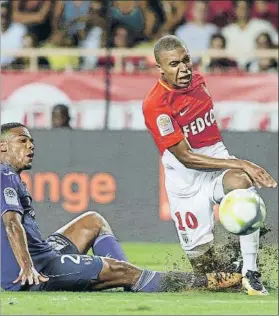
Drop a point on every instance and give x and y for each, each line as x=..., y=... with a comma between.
x=95, y=57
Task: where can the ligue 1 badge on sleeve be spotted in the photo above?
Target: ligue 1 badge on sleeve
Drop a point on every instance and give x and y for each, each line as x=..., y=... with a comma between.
x=164, y=124
x=10, y=196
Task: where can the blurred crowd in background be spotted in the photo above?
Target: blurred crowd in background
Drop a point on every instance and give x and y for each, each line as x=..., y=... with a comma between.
x=238, y=26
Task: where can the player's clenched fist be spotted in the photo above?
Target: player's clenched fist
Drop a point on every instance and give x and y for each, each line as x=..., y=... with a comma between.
x=259, y=176
x=31, y=275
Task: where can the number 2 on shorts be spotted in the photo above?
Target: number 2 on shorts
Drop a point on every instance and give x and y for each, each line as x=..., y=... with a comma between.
x=75, y=260
x=190, y=220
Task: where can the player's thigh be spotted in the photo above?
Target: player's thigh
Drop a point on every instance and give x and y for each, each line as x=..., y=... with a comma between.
x=193, y=217
x=225, y=181
x=83, y=230
x=62, y=244
x=70, y=272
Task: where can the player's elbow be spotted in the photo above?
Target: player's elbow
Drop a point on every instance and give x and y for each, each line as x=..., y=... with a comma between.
x=186, y=158
x=183, y=156
x=182, y=152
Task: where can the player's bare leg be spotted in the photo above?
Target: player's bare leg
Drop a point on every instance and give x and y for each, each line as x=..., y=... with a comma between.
x=83, y=230
x=118, y=273
x=238, y=179
x=92, y=230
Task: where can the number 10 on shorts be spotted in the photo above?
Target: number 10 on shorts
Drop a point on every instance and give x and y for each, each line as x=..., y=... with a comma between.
x=190, y=221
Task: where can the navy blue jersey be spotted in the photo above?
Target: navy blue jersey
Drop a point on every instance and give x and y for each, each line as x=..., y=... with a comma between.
x=15, y=198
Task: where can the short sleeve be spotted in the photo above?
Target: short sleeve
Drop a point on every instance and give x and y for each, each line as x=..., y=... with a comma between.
x=10, y=200
x=163, y=127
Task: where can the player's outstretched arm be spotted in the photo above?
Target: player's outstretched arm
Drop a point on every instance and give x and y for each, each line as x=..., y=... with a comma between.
x=258, y=175
x=18, y=241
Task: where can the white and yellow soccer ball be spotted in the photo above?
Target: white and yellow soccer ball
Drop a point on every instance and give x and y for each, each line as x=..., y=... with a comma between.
x=242, y=212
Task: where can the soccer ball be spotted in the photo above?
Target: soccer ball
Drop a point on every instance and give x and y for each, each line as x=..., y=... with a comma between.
x=242, y=212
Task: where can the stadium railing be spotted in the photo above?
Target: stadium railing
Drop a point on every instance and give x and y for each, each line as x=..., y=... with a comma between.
x=119, y=54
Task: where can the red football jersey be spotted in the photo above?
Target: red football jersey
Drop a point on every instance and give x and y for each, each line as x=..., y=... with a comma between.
x=174, y=114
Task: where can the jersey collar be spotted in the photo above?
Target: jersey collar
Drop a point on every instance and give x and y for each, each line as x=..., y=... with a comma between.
x=169, y=88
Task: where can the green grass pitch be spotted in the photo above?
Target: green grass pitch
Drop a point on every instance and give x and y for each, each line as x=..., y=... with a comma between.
x=154, y=256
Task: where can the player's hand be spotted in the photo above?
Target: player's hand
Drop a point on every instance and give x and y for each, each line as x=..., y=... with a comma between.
x=259, y=176
x=31, y=275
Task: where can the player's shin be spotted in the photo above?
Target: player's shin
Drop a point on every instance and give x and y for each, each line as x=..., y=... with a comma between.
x=107, y=245
x=151, y=281
x=203, y=258
x=251, y=277
x=249, y=245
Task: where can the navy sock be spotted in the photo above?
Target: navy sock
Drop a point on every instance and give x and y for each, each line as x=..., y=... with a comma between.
x=152, y=281
x=149, y=281
x=108, y=246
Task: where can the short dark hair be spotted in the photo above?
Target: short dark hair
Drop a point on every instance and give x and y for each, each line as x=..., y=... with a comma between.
x=249, y=3
x=219, y=35
x=167, y=43
x=6, y=127
x=268, y=38
x=61, y=107
x=130, y=34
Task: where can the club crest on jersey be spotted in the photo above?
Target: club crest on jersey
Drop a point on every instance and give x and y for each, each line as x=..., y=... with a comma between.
x=165, y=125
x=10, y=196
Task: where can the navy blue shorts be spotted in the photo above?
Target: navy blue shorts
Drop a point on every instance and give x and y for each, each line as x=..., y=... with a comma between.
x=62, y=244
x=69, y=272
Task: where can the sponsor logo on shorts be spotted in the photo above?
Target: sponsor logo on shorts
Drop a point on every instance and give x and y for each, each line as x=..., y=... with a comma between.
x=86, y=259
x=184, y=237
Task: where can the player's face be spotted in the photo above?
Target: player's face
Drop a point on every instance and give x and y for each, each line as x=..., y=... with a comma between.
x=20, y=148
x=242, y=10
x=176, y=67
x=59, y=119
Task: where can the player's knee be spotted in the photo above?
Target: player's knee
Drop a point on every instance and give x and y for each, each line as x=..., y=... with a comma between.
x=95, y=221
x=236, y=179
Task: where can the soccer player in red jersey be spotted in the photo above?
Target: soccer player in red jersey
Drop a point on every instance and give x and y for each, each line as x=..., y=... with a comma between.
x=199, y=171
